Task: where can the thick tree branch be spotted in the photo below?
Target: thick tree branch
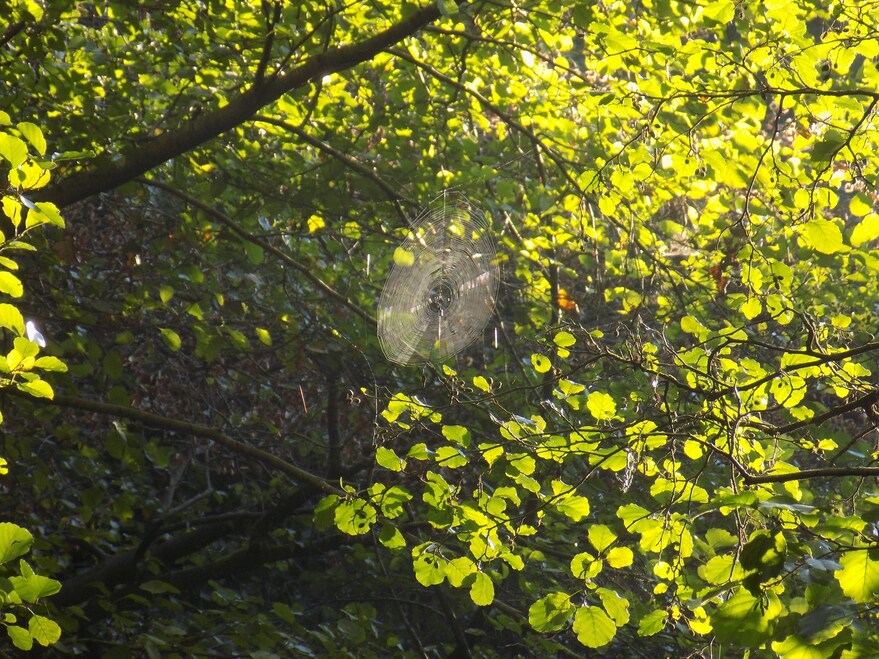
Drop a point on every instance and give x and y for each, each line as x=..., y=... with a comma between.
x=806, y=474
x=117, y=169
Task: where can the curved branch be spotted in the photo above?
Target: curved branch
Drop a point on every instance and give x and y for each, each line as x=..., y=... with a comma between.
x=187, y=427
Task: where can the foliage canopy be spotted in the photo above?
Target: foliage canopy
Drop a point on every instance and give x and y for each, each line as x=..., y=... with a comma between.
x=666, y=441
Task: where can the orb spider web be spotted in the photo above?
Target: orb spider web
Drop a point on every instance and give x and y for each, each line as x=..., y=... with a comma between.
x=440, y=291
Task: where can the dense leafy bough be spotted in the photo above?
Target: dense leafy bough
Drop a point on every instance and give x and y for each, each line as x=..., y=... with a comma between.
x=665, y=443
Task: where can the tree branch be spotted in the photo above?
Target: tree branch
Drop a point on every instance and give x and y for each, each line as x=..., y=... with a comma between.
x=266, y=246
x=118, y=168
x=392, y=193
x=186, y=427
x=806, y=474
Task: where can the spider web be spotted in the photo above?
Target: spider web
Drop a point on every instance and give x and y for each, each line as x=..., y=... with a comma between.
x=441, y=289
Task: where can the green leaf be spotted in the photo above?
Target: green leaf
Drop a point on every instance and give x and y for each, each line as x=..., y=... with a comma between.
x=11, y=318
x=10, y=284
x=37, y=388
x=450, y=457
x=447, y=7
x=619, y=557
x=21, y=638
x=720, y=569
x=482, y=590
x=824, y=151
x=692, y=325
x=601, y=537
x=823, y=236
x=391, y=537
x=585, y=566
x=43, y=630
x=45, y=212
x=166, y=293
x=355, y=517
x=457, y=434
x=764, y=554
x=33, y=134
x=392, y=501
x=50, y=363
x=616, y=605
x=14, y=541
x=720, y=12
x=429, y=568
x=13, y=149
x=575, y=507
x=550, y=613
x=745, y=620
x=564, y=339
x=458, y=569
x=593, y=627
x=388, y=459
x=866, y=230
x=157, y=587
x=33, y=586
x=859, y=576
x=541, y=363
x=254, y=253
x=601, y=406
x=652, y=623
x=171, y=338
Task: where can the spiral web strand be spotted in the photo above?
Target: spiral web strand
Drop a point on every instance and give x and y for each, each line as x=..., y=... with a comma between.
x=441, y=289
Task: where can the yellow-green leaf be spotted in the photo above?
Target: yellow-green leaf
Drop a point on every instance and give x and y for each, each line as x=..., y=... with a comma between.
x=481, y=383
x=10, y=284
x=388, y=459
x=859, y=575
x=33, y=134
x=482, y=590
x=13, y=149
x=564, y=339
x=823, y=236
x=601, y=406
x=593, y=627
x=50, y=363
x=550, y=613
x=459, y=569
x=541, y=363
x=619, y=557
x=37, y=388
x=11, y=318
x=601, y=537
x=866, y=230
x=171, y=338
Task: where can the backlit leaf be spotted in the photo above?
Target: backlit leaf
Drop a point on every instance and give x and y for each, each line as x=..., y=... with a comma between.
x=859, y=576
x=593, y=627
x=551, y=612
x=482, y=590
x=823, y=236
x=601, y=406
x=14, y=541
